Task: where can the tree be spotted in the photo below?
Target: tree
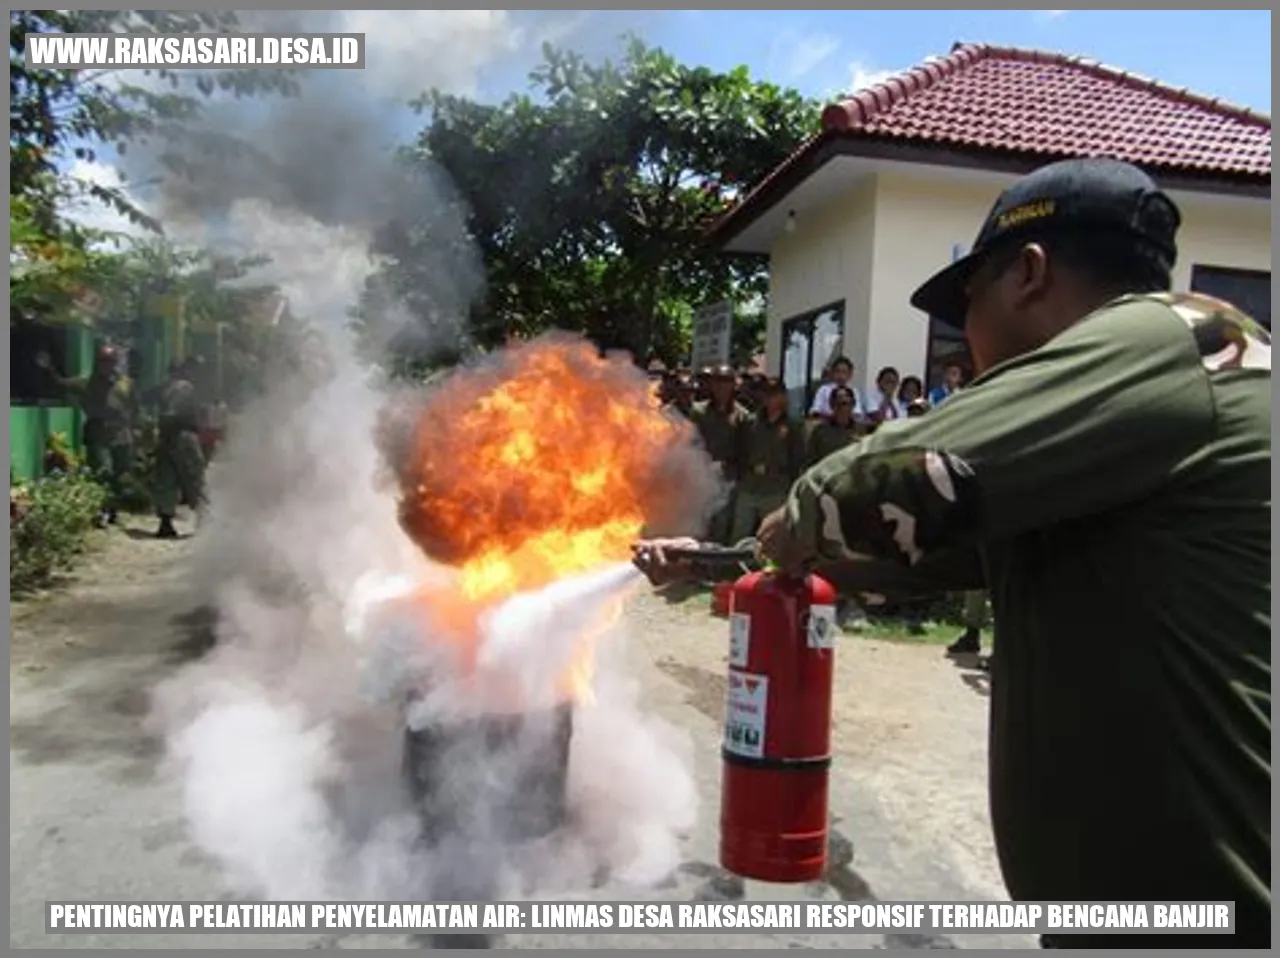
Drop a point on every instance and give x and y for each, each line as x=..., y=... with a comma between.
x=57, y=114
x=589, y=199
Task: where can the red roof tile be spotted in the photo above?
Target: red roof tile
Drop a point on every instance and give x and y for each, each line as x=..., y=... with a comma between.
x=1030, y=104
x=1029, y=101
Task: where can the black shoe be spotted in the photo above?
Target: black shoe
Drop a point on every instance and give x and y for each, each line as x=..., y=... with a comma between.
x=166, y=530
x=968, y=644
x=112, y=518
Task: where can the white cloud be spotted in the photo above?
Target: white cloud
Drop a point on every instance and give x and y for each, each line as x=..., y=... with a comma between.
x=95, y=214
x=1047, y=16
x=408, y=51
x=794, y=55
x=862, y=76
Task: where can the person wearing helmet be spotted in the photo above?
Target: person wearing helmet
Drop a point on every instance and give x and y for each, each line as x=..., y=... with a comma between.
x=109, y=402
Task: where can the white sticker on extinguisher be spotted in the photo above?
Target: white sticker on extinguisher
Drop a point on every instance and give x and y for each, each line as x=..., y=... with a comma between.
x=821, y=627
x=739, y=639
x=746, y=706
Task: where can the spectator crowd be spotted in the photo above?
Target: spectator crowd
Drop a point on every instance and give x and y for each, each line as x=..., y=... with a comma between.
x=745, y=423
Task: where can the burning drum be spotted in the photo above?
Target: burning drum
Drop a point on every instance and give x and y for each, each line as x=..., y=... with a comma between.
x=497, y=780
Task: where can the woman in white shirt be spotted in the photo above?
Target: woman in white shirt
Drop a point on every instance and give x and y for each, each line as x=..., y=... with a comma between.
x=882, y=398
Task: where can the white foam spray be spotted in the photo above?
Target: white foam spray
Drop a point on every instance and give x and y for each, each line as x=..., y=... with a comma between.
x=287, y=737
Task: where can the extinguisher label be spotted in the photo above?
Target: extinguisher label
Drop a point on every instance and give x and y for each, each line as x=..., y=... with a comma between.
x=745, y=710
x=739, y=639
x=822, y=627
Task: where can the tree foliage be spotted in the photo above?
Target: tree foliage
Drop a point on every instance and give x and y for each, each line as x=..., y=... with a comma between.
x=63, y=271
x=589, y=197
x=57, y=115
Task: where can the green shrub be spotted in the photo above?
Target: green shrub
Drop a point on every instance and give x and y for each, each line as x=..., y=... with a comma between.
x=49, y=525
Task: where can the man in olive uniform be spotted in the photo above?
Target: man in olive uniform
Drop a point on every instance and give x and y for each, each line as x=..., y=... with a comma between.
x=831, y=435
x=681, y=393
x=110, y=406
x=773, y=454
x=721, y=423
x=180, y=461
x=1110, y=467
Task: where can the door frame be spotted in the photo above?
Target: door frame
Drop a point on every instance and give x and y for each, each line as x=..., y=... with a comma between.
x=805, y=321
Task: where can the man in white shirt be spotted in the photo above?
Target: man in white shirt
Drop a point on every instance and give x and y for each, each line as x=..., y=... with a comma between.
x=841, y=371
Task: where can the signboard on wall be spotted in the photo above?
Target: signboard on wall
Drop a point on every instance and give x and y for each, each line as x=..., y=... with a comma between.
x=712, y=335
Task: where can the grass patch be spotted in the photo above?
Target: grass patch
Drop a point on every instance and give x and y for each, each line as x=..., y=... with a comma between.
x=896, y=630
x=941, y=628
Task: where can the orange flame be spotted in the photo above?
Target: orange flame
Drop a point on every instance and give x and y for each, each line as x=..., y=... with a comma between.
x=545, y=465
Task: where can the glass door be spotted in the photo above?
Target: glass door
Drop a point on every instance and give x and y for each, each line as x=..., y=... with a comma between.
x=810, y=342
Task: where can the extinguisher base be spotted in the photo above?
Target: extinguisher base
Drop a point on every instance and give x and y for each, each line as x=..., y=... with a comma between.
x=780, y=871
x=774, y=825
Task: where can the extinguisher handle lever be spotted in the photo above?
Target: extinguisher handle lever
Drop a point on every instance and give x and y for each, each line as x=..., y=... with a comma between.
x=710, y=552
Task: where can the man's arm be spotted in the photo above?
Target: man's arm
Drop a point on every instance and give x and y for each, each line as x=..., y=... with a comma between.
x=1099, y=417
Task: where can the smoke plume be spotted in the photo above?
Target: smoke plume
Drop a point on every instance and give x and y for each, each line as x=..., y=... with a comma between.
x=288, y=735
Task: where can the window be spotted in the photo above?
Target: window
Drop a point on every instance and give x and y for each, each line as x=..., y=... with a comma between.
x=29, y=385
x=1246, y=289
x=946, y=345
x=946, y=342
x=809, y=343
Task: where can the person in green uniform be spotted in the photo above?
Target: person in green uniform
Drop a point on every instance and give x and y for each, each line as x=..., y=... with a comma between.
x=834, y=434
x=109, y=402
x=722, y=423
x=829, y=436
x=681, y=393
x=180, y=464
x=772, y=459
x=1109, y=468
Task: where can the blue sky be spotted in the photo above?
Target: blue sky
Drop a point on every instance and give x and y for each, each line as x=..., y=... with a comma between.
x=488, y=53
x=821, y=52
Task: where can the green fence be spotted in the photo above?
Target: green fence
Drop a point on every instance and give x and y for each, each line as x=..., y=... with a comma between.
x=30, y=426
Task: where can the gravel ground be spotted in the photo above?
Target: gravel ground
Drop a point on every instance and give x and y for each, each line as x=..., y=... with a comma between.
x=92, y=819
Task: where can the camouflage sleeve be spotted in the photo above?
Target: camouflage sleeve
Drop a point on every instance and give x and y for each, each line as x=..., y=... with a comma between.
x=1100, y=416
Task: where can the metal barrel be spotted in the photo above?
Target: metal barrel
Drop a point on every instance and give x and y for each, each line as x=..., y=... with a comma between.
x=497, y=779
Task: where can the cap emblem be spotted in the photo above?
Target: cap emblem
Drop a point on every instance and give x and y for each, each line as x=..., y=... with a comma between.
x=1025, y=214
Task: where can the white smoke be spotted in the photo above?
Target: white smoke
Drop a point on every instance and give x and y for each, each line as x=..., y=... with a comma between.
x=288, y=735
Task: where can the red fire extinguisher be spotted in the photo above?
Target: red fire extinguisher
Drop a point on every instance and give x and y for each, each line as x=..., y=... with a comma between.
x=777, y=734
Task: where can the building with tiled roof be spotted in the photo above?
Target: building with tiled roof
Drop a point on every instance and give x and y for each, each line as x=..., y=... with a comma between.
x=901, y=175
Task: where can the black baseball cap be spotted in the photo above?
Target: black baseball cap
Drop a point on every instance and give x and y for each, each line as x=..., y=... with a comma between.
x=1073, y=195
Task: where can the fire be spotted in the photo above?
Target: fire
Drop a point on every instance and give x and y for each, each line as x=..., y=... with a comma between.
x=547, y=464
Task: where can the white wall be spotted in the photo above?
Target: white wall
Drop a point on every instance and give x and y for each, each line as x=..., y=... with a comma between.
x=920, y=217
x=876, y=244
x=1220, y=232
x=826, y=259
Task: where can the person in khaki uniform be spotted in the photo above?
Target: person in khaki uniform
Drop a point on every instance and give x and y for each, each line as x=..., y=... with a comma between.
x=721, y=421
x=832, y=435
x=772, y=458
x=180, y=463
x=682, y=392
x=109, y=402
